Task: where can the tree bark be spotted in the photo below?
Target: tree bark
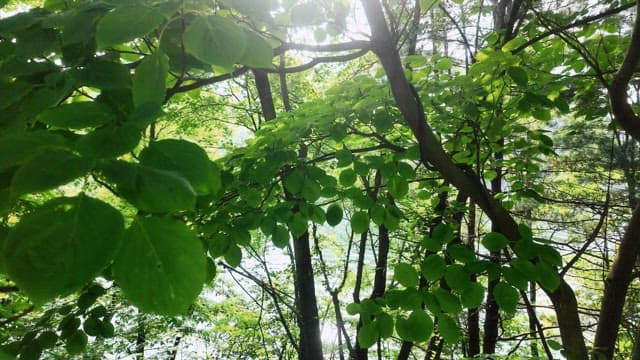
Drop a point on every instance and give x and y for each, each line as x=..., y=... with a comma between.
x=615, y=291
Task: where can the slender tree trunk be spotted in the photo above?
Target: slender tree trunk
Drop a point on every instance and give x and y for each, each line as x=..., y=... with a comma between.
x=141, y=338
x=532, y=320
x=473, y=315
x=492, y=315
x=432, y=154
x=310, y=346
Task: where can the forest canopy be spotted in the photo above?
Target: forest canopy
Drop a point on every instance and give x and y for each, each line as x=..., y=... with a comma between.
x=314, y=179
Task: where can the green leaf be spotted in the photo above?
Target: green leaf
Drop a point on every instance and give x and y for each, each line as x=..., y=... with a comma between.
x=233, y=256
x=554, y=345
x=78, y=115
x=126, y=23
x=334, y=214
x=294, y=182
x=443, y=233
x=150, y=80
x=494, y=241
x=184, y=158
x=109, y=141
x=311, y=190
x=215, y=40
x=384, y=323
x=76, y=343
x=472, y=295
x=431, y=244
x=298, y=225
x=448, y=329
x=433, y=267
x=444, y=64
x=61, y=246
x=549, y=255
x=104, y=75
x=48, y=170
x=417, y=328
x=280, y=237
x=17, y=148
x=344, y=157
x=348, y=177
x=449, y=303
x=506, y=297
x=161, y=265
x=360, y=222
x=367, y=335
x=547, y=276
x=149, y=189
x=518, y=75
x=353, y=308
x=514, y=277
x=47, y=339
x=406, y=275
x=457, y=276
x=258, y=52
x=398, y=187
x=461, y=253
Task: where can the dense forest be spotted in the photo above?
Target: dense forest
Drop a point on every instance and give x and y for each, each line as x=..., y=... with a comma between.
x=319, y=179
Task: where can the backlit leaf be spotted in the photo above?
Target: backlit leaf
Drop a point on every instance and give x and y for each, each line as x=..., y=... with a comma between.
x=406, y=275
x=185, y=158
x=215, y=40
x=126, y=23
x=60, y=246
x=160, y=266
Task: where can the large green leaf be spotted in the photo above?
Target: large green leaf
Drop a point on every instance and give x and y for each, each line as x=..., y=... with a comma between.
x=150, y=80
x=418, y=327
x=215, y=40
x=433, y=267
x=185, y=158
x=457, y=276
x=334, y=214
x=78, y=115
x=494, y=241
x=472, y=295
x=126, y=23
x=48, y=170
x=257, y=53
x=104, y=75
x=61, y=246
x=367, y=335
x=506, y=297
x=406, y=275
x=448, y=329
x=17, y=148
x=150, y=189
x=360, y=222
x=110, y=141
x=161, y=265
x=449, y=303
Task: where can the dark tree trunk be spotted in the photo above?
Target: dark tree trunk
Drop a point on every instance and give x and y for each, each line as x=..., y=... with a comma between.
x=473, y=315
x=492, y=315
x=616, y=285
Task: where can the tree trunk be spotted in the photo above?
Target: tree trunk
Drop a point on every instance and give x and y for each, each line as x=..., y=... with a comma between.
x=310, y=346
x=615, y=291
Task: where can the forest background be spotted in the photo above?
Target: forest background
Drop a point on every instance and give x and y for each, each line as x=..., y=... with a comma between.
x=242, y=179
